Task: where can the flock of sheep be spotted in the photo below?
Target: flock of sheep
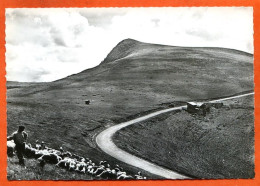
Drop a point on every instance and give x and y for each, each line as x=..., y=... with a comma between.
x=72, y=162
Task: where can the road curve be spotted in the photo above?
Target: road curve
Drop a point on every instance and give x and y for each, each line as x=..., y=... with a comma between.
x=105, y=143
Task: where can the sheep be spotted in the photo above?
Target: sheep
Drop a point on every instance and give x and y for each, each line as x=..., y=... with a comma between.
x=81, y=166
x=72, y=165
x=29, y=151
x=61, y=150
x=118, y=167
x=43, y=146
x=54, y=151
x=39, y=153
x=65, y=154
x=139, y=176
x=68, y=163
x=50, y=158
x=76, y=157
x=103, y=163
x=99, y=170
x=124, y=177
x=72, y=162
x=37, y=145
x=10, y=148
x=92, y=168
x=108, y=174
x=63, y=163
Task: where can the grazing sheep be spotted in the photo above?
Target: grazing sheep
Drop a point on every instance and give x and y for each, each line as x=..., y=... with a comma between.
x=66, y=154
x=139, y=176
x=29, y=151
x=75, y=156
x=37, y=145
x=73, y=162
x=54, y=151
x=103, y=163
x=81, y=166
x=120, y=174
x=72, y=165
x=40, y=153
x=118, y=167
x=108, y=174
x=10, y=148
x=50, y=158
x=68, y=163
x=61, y=150
x=42, y=146
x=125, y=177
x=63, y=163
x=99, y=170
x=92, y=168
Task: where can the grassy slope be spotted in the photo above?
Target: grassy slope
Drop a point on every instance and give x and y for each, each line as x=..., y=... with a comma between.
x=220, y=145
x=134, y=78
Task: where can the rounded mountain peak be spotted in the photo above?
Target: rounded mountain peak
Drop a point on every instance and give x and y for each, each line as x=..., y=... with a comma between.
x=128, y=41
x=122, y=49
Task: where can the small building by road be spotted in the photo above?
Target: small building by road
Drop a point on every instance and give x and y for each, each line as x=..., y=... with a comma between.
x=193, y=107
x=202, y=108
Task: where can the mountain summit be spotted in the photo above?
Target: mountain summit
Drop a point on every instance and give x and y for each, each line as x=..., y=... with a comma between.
x=121, y=50
x=130, y=49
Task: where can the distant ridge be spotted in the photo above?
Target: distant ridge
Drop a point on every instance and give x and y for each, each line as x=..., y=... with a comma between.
x=128, y=46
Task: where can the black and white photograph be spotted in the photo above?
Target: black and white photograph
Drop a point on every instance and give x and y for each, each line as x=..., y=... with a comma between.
x=130, y=93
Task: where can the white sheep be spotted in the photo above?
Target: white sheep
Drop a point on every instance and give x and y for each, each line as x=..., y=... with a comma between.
x=10, y=148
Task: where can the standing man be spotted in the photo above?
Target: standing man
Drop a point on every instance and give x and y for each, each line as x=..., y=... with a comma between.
x=19, y=138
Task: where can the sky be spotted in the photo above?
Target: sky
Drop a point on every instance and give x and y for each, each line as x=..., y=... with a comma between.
x=47, y=44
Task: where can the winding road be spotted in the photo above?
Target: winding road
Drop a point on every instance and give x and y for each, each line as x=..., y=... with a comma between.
x=105, y=143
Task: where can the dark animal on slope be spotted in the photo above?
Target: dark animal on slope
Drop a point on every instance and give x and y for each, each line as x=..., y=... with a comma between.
x=75, y=156
x=42, y=162
x=65, y=154
x=29, y=151
x=43, y=146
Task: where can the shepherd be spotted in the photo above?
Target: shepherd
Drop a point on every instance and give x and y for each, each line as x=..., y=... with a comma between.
x=19, y=137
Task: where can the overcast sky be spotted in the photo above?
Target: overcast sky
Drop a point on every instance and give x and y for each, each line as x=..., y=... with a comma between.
x=49, y=44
